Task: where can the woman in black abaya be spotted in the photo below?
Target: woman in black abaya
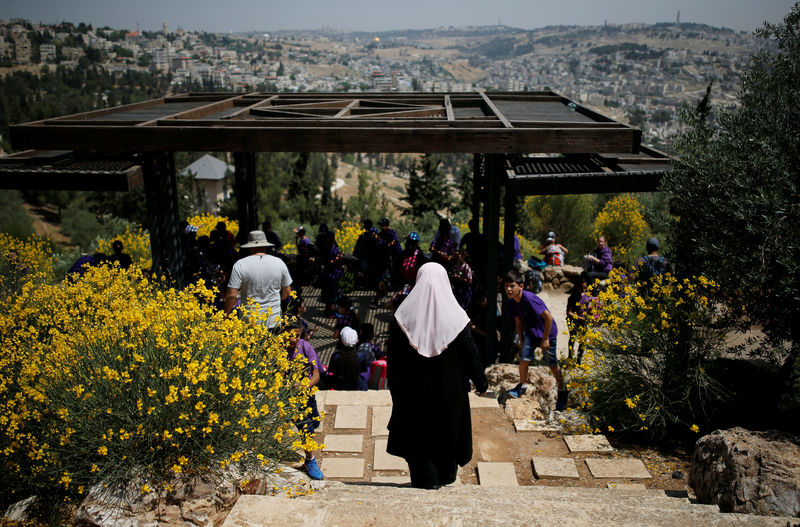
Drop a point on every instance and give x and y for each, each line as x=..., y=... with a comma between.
x=432, y=355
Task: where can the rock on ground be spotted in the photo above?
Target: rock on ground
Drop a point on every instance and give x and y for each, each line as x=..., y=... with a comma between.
x=538, y=401
x=193, y=502
x=748, y=472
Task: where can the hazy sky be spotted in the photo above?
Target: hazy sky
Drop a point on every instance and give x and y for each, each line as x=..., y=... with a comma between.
x=377, y=15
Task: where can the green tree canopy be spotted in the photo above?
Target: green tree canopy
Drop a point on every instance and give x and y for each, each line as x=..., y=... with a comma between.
x=735, y=192
x=427, y=189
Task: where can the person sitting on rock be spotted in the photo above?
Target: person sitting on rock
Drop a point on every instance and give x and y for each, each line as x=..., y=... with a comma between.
x=554, y=253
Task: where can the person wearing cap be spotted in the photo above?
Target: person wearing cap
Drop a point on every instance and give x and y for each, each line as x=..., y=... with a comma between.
x=259, y=277
x=554, y=253
x=653, y=264
x=411, y=259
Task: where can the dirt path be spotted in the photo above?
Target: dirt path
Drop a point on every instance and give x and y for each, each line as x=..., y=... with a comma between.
x=46, y=223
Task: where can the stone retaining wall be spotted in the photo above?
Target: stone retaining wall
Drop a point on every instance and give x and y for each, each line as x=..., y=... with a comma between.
x=560, y=277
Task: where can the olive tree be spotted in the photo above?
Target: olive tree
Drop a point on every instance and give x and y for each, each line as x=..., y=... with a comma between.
x=736, y=199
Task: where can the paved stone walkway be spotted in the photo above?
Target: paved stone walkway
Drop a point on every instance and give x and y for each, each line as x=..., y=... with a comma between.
x=354, y=432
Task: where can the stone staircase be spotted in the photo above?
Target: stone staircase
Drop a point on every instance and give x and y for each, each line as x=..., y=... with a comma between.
x=366, y=486
x=351, y=505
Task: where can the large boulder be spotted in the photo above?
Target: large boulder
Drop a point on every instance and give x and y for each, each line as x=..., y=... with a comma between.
x=536, y=403
x=748, y=472
x=571, y=272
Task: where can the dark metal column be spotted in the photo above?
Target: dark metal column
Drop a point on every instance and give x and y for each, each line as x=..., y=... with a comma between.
x=478, y=176
x=245, y=173
x=161, y=194
x=510, y=206
x=491, y=228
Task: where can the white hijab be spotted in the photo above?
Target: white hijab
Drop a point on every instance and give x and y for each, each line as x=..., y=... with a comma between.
x=430, y=316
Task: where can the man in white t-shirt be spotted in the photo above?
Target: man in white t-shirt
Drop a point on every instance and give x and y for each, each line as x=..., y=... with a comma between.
x=261, y=277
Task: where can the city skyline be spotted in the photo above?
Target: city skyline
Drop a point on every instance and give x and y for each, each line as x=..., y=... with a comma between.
x=383, y=15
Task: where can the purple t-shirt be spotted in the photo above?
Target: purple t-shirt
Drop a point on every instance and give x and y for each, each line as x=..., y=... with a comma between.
x=307, y=350
x=604, y=255
x=529, y=309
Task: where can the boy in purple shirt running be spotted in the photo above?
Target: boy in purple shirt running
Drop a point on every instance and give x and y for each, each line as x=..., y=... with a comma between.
x=534, y=325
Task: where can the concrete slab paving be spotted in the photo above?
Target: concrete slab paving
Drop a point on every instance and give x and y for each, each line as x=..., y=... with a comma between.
x=358, y=398
x=350, y=417
x=343, y=443
x=343, y=467
x=497, y=474
x=554, y=467
x=384, y=461
x=589, y=444
x=482, y=402
x=625, y=468
x=535, y=425
x=380, y=420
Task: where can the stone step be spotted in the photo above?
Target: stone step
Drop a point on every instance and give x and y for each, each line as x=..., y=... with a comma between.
x=352, y=505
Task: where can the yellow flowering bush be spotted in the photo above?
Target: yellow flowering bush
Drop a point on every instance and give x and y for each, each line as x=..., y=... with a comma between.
x=113, y=378
x=622, y=223
x=23, y=261
x=648, y=346
x=206, y=222
x=136, y=243
x=346, y=235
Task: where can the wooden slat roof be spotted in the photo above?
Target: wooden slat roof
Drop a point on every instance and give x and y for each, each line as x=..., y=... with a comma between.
x=477, y=122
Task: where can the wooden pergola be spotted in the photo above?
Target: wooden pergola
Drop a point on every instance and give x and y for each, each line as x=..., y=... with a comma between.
x=525, y=142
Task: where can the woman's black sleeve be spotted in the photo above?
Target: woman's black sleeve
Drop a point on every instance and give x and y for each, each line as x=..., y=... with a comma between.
x=470, y=359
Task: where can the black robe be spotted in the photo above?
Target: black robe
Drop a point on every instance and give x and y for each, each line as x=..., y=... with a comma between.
x=430, y=413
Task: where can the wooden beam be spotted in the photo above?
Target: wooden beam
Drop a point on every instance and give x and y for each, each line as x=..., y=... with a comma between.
x=319, y=104
x=326, y=139
x=493, y=109
x=347, y=109
x=107, y=111
x=430, y=112
x=277, y=111
x=200, y=112
x=20, y=178
x=365, y=121
x=448, y=104
x=246, y=111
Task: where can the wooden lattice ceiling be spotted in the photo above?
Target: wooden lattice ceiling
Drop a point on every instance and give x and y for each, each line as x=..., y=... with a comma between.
x=495, y=122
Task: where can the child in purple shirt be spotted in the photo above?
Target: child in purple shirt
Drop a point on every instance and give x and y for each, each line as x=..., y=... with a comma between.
x=296, y=346
x=534, y=324
x=599, y=261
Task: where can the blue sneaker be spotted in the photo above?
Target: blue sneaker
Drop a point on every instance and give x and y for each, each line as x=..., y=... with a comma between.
x=517, y=390
x=313, y=469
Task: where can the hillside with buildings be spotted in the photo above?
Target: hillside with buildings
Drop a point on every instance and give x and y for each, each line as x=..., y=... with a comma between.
x=638, y=73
